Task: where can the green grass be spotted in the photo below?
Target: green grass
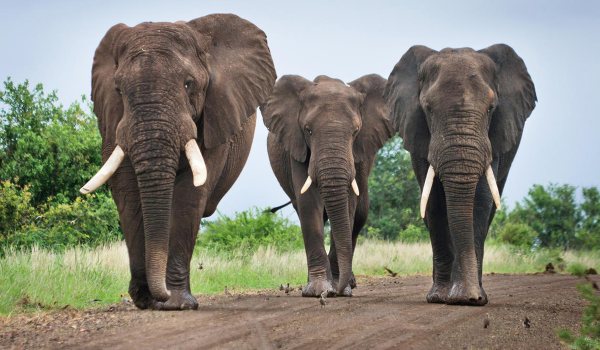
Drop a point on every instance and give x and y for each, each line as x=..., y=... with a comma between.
x=82, y=277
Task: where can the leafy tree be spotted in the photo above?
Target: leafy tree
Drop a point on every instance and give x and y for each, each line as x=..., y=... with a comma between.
x=589, y=232
x=51, y=149
x=394, y=196
x=551, y=212
x=46, y=153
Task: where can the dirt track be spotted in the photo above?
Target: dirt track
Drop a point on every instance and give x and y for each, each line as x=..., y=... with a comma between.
x=384, y=313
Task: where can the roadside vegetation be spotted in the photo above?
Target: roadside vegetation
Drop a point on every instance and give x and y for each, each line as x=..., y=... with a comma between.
x=59, y=249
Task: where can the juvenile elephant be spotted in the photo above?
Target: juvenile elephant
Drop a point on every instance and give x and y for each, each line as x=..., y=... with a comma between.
x=176, y=107
x=323, y=138
x=461, y=114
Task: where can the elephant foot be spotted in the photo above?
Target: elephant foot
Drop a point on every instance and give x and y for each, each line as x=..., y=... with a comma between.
x=438, y=294
x=460, y=294
x=317, y=287
x=140, y=295
x=347, y=291
x=179, y=300
x=352, y=281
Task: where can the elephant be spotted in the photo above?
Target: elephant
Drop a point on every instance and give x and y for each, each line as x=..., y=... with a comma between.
x=176, y=106
x=461, y=115
x=322, y=142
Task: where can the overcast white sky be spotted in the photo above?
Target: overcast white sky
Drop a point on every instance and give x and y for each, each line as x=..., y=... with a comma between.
x=53, y=42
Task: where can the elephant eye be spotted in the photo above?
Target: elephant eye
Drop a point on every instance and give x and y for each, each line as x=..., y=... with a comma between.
x=308, y=130
x=118, y=91
x=490, y=109
x=188, y=84
x=355, y=131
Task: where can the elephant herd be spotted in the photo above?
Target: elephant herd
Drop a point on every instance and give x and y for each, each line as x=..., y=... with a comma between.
x=176, y=106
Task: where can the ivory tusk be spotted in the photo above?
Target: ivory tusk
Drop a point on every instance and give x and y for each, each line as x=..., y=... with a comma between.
x=306, y=185
x=107, y=170
x=194, y=156
x=355, y=187
x=491, y=180
x=427, y=190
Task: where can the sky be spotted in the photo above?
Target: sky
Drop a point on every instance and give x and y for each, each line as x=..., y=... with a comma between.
x=53, y=43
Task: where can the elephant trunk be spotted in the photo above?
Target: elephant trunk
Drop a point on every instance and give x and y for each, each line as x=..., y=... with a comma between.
x=335, y=188
x=460, y=197
x=155, y=157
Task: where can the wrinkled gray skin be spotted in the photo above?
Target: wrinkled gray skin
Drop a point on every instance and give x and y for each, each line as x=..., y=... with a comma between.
x=460, y=110
x=156, y=86
x=330, y=131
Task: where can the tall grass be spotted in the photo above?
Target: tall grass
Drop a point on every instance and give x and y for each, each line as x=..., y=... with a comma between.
x=83, y=277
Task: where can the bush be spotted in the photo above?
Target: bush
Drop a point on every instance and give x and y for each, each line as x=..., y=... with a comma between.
x=414, y=233
x=16, y=211
x=51, y=149
x=517, y=234
x=88, y=221
x=249, y=230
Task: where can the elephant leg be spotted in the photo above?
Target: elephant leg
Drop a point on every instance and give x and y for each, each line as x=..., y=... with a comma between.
x=125, y=193
x=436, y=221
x=358, y=211
x=483, y=211
x=188, y=205
x=311, y=212
x=483, y=214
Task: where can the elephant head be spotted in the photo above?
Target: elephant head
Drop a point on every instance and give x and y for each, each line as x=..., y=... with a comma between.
x=329, y=126
x=459, y=109
x=161, y=90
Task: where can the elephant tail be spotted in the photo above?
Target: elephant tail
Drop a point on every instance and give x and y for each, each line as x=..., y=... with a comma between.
x=274, y=210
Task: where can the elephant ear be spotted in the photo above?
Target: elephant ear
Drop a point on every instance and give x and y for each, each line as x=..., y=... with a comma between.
x=281, y=114
x=108, y=104
x=516, y=97
x=241, y=74
x=402, y=97
x=376, y=128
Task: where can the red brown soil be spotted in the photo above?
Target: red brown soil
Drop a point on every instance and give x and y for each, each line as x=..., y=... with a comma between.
x=384, y=313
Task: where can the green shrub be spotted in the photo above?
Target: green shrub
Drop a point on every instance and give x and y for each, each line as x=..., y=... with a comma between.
x=16, y=212
x=52, y=149
x=589, y=337
x=88, y=221
x=248, y=230
x=517, y=234
x=414, y=233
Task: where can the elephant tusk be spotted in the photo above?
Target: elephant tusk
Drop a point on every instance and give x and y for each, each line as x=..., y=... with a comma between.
x=491, y=179
x=107, y=170
x=306, y=185
x=194, y=156
x=355, y=187
x=427, y=190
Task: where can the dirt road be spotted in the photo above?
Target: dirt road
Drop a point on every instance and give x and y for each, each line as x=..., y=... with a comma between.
x=384, y=313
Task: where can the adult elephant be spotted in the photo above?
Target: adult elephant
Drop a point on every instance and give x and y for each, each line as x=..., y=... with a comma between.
x=176, y=107
x=323, y=138
x=461, y=114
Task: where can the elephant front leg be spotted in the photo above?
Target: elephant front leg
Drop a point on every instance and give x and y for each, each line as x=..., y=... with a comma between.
x=188, y=205
x=319, y=270
x=436, y=221
x=125, y=193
